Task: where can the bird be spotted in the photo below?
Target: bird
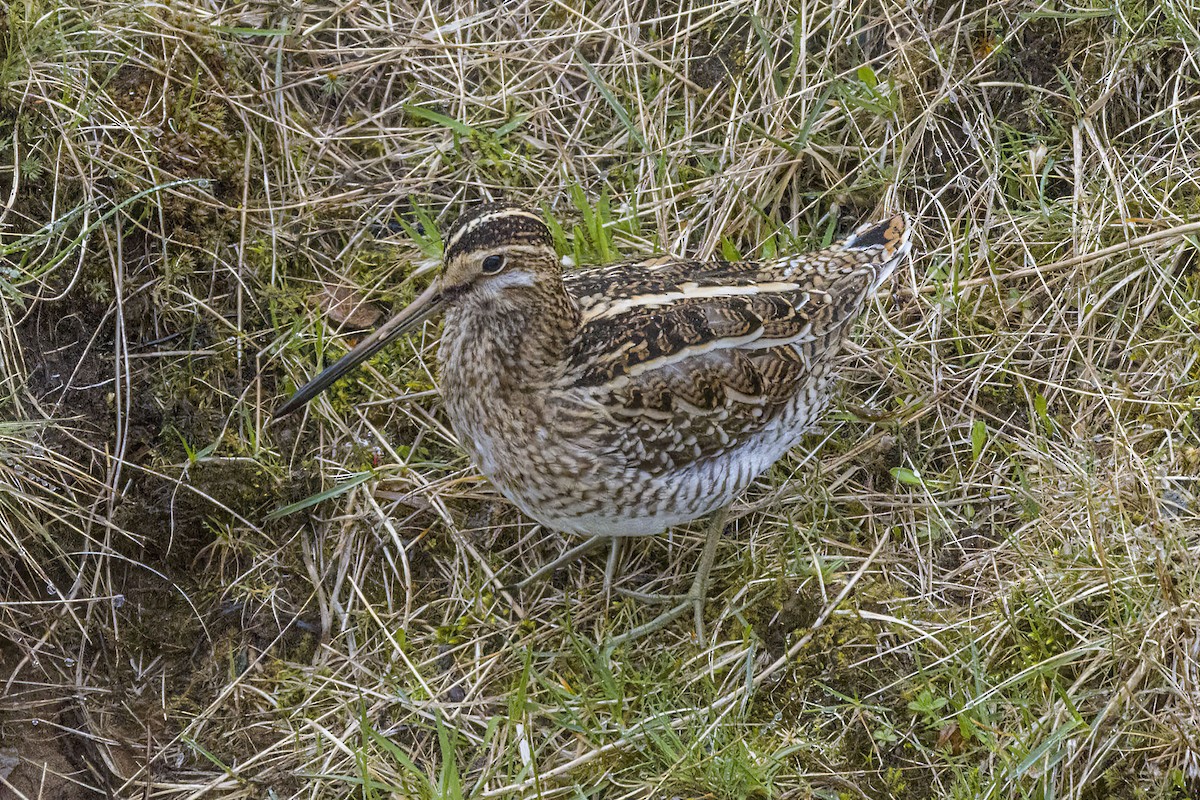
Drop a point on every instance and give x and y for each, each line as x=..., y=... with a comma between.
x=626, y=399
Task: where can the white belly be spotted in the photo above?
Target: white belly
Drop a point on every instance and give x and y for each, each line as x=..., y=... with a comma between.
x=672, y=499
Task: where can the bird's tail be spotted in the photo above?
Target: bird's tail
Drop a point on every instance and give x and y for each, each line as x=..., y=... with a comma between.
x=887, y=243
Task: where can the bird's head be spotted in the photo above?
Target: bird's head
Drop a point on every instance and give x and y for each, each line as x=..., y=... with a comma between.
x=491, y=250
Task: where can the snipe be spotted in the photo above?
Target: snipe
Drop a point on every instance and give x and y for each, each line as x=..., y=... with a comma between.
x=624, y=400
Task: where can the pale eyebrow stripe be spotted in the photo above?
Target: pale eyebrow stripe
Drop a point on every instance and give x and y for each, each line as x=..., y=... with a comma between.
x=688, y=292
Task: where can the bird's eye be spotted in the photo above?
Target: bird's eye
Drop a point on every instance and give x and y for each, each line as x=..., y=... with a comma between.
x=493, y=264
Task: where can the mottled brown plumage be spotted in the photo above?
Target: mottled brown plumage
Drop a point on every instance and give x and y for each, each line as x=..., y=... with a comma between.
x=624, y=400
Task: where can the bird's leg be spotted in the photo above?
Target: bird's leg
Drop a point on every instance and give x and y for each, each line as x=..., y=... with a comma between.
x=696, y=595
x=699, y=591
x=614, y=561
x=573, y=554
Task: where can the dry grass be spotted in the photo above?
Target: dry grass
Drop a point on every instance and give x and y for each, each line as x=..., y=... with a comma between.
x=984, y=584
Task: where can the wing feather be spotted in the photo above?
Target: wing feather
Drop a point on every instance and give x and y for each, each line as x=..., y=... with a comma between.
x=713, y=352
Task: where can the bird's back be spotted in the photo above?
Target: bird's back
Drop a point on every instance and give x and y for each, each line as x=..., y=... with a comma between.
x=688, y=379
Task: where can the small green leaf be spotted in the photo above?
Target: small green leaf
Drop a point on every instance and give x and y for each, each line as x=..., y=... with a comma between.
x=449, y=783
x=461, y=128
x=1051, y=751
x=729, y=250
x=867, y=76
x=909, y=476
x=426, y=236
x=1041, y=408
x=769, y=248
x=320, y=497
x=610, y=98
x=556, y=229
x=978, y=438
x=510, y=126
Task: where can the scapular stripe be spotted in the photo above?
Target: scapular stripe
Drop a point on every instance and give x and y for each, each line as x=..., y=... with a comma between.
x=686, y=291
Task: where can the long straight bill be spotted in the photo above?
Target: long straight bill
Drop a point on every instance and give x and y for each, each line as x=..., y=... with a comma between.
x=416, y=312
